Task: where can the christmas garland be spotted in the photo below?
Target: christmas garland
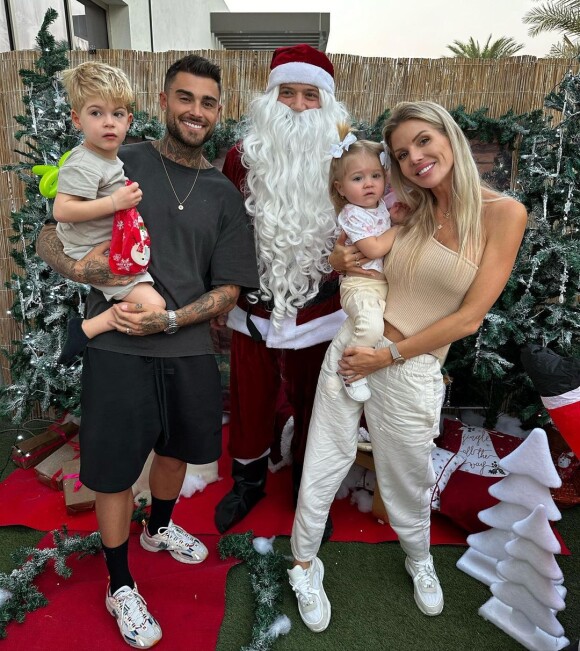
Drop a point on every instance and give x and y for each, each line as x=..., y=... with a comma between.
x=267, y=573
x=18, y=594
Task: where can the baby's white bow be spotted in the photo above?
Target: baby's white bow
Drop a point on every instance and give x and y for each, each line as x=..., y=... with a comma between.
x=338, y=150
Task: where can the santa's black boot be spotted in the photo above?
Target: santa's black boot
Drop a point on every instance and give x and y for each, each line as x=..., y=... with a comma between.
x=248, y=490
x=296, y=478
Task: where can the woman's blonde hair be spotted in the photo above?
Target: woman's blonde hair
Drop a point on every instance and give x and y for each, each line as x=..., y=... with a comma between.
x=466, y=187
x=96, y=79
x=338, y=165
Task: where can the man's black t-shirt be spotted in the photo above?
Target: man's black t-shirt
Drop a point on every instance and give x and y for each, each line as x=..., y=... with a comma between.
x=207, y=244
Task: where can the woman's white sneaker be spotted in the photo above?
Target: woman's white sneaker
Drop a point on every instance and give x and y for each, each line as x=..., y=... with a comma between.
x=428, y=592
x=313, y=603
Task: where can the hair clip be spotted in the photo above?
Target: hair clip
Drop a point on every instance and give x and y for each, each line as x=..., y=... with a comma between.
x=337, y=151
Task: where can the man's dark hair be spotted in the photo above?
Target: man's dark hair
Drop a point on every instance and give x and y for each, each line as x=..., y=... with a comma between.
x=194, y=65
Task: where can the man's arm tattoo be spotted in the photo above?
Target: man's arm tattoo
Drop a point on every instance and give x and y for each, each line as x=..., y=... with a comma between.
x=218, y=301
x=90, y=270
x=49, y=248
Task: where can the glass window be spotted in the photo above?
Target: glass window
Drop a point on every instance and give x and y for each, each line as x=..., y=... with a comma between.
x=80, y=36
x=89, y=25
x=4, y=37
x=27, y=18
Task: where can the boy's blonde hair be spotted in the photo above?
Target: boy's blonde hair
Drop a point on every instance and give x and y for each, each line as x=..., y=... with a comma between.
x=96, y=79
x=338, y=165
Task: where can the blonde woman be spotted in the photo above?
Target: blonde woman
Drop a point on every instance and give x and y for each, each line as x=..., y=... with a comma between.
x=449, y=264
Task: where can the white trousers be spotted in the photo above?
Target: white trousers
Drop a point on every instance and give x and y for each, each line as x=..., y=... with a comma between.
x=363, y=299
x=403, y=419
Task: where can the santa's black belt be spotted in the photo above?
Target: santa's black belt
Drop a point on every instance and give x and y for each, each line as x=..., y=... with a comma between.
x=263, y=309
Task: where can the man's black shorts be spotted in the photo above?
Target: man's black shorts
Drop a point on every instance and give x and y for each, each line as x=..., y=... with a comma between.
x=132, y=404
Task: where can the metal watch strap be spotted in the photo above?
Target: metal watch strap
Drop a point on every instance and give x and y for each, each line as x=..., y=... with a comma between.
x=172, y=326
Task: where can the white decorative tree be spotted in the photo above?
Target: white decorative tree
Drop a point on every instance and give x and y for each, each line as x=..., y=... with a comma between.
x=526, y=597
x=534, y=474
x=516, y=556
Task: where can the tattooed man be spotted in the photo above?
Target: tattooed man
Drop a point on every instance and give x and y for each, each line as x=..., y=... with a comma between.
x=161, y=391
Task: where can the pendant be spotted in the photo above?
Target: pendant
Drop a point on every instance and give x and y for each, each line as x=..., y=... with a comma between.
x=180, y=207
x=439, y=226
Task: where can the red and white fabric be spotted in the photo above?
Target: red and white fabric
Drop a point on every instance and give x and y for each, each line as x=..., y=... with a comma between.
x=130, y=243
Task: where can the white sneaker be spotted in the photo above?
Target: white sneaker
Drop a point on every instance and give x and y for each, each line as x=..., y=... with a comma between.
x=358, y=390
x=138, y=627
x=184, y=547
x=313, y=603
x=428, y=593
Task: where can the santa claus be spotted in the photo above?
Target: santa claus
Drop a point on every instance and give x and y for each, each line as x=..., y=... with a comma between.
x=281, y=332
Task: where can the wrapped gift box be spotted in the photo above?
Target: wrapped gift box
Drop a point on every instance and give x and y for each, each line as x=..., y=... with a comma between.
x=77, y=496
x=49, y=471
x=30, y=452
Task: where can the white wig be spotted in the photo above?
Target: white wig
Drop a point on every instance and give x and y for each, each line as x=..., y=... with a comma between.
x=287, y=156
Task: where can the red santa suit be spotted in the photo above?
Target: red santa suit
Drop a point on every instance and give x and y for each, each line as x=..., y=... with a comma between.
x=262, y=355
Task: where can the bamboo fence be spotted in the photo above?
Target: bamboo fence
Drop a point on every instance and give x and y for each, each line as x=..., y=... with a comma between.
x=367, y=86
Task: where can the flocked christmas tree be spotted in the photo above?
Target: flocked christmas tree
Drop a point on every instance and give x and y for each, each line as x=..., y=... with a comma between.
x=43, y=300
x=540, y=303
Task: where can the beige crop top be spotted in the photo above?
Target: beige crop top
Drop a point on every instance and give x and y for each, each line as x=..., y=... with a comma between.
x=438, y=286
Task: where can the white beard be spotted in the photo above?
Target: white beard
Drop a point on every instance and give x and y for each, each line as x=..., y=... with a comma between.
x=287, y=155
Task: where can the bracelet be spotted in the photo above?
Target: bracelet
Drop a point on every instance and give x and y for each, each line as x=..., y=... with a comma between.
x=113, y=202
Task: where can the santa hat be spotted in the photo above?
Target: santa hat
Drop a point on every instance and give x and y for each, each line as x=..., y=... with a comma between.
x=557, y=379
x=301, y=64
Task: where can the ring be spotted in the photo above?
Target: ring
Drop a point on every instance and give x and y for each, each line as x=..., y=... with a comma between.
x=128, y=331
x=357, y=263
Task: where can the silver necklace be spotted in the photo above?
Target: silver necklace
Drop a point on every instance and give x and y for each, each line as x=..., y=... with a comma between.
x=179, y=202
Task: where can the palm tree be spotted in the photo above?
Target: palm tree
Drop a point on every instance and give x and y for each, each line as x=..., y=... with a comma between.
x=500, y=48
x=561, y=16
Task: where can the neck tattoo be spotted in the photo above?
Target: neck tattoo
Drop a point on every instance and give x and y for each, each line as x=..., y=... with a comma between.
x=179, y=201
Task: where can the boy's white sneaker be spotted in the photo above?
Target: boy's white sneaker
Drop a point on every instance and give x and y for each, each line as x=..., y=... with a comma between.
x=313, y=603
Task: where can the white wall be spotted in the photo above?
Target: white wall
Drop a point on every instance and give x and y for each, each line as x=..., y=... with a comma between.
x=175, y=24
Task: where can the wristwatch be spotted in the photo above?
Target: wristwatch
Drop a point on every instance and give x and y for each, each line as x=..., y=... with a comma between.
x=396, y=355
x=172, y=326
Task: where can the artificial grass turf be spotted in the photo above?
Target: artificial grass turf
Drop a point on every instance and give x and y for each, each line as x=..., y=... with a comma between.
x=371, y=596
x=373, y=606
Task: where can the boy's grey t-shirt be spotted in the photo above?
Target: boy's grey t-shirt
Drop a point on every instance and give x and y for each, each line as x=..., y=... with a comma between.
x=88, y=175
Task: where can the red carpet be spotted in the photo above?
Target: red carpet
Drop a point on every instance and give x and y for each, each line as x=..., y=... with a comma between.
x=25, y=501
x=177, y=594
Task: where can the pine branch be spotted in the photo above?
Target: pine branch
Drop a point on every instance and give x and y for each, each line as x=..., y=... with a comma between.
x=267, y=573
x=24, y=597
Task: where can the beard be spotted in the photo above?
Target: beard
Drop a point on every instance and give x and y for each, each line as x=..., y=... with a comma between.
x=287, y=157
x=184, y=137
